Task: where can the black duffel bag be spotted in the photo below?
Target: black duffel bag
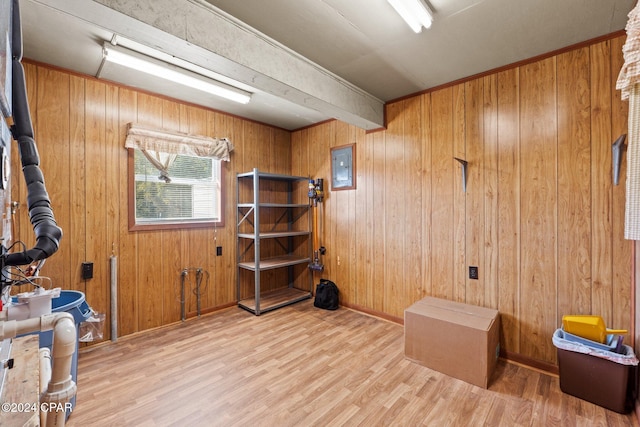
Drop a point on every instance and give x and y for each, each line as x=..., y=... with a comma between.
x=326, y=295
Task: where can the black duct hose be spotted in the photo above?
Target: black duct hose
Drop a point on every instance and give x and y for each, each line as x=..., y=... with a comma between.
x=47, y=232
x=16, y=32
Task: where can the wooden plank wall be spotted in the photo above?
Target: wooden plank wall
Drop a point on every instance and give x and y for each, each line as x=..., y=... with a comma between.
x=80, y=126
x=541, y=217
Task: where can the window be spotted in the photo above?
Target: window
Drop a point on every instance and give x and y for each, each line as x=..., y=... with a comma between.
x=175, y=179
x=188, y=195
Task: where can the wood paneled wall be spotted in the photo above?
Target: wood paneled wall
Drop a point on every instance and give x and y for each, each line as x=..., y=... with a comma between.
x=540, y=217
x=80, y=125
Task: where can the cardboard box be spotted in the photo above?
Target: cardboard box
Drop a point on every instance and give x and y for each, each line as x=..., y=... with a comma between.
x=457, y=339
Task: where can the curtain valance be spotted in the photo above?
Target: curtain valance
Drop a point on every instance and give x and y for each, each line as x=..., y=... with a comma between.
x=630, y=73
x=172, y=142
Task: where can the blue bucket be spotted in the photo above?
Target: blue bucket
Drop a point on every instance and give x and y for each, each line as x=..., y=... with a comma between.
x=72, y=302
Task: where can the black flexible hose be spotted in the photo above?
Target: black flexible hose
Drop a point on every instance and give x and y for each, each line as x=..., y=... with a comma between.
x=46, y=230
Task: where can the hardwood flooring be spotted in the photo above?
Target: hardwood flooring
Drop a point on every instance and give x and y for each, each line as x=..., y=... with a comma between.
x=301, y=366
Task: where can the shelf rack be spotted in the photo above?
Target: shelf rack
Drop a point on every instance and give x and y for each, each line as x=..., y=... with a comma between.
x=273, y=236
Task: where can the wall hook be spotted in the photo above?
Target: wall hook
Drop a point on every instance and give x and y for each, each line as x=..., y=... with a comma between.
x=463, y=164
x=616, y=157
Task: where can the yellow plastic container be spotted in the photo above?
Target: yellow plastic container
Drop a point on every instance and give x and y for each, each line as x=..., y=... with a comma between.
x=590, y=327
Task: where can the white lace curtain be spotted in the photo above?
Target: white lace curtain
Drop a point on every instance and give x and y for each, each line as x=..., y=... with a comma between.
x=161, y=147
x=629, y=83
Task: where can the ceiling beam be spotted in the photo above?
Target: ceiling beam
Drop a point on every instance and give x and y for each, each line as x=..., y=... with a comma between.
x=198, y=32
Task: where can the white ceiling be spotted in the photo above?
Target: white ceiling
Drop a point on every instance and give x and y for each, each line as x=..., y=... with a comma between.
x=311, y=60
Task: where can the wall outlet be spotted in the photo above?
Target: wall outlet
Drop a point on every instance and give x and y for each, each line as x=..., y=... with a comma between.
x=218, y=250
x=473, y=272
x=87, y=270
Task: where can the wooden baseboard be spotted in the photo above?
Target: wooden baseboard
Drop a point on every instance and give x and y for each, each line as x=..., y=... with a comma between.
x=193, y=314
x=374, y=313
x=527, y=362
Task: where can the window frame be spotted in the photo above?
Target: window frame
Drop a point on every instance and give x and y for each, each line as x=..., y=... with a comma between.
x=168, y=225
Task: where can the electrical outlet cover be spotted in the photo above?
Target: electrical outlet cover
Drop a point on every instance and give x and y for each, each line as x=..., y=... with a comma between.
x=87, y=270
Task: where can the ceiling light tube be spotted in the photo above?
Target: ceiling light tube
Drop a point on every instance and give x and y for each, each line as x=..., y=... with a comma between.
x=151, y=66
x=414, y=12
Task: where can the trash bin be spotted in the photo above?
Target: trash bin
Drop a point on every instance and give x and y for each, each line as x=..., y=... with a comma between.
x=599, y=376
x=72, y=302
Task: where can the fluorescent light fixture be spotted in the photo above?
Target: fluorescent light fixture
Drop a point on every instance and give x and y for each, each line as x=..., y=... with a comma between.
x=415, y=13
x=136, y=61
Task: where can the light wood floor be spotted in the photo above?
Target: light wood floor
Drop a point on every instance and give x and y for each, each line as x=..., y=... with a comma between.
x=301, y=366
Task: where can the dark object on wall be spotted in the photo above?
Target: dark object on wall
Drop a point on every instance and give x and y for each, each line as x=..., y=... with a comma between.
x=463, y=164
x=87, y=270
x=326, y=295
x=617, y=150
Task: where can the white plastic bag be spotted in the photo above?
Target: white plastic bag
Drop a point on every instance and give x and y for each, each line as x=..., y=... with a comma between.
x=628, y=357
x=92, y=328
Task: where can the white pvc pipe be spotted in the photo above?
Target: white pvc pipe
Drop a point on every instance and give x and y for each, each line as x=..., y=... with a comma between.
x=45, y=376
x=45, y=367
x=13, y=328
x=61, y=387
x=114, y=298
